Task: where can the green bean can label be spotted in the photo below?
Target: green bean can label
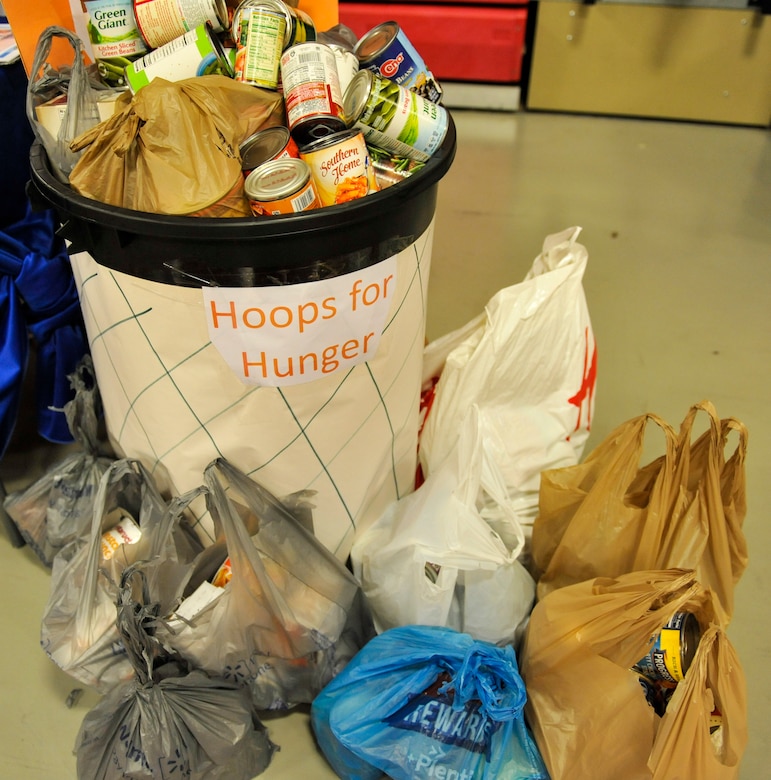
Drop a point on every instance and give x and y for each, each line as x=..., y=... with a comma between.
x=259, y=30
x=393, y=117
x=115, y=38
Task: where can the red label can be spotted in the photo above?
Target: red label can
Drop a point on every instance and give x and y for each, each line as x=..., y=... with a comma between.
x=314, y=103
x=272, y=143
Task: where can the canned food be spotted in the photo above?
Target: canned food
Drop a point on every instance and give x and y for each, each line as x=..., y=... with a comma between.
x=115, y=38
x=314, y=104
x=391, y=169
x=341, y=167
x=196, y=53
x=673, y=649
x=281, y=187
x=125, y=531
x=259, y=30
x=223, y=575
x=161, y=21
x=393, y=117
x=387, y=51
x=272, y=143
x=299, y=26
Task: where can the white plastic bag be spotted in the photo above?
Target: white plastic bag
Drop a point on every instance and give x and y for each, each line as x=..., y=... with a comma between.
x=529, y=363
x=447, y=554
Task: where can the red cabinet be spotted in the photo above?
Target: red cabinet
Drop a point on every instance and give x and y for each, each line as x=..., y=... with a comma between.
x=459, y=40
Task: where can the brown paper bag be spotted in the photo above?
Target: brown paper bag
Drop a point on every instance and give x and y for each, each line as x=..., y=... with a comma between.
x=609, y=515
x=586, y=707
x=174, y=148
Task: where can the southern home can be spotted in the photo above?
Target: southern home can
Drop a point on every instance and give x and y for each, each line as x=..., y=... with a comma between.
x=259, y=31
x=282, y=186
x=341, y=167
x=673, y=649
x=196, y=53
x=386, y=50
x=272, y=143
x=393, y=117
x=115, y=38
x=314, y=104
x=161, y=21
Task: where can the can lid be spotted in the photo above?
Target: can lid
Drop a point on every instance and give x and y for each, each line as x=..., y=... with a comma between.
x=276, y=179
x=356, y=95
x=329, y=140
x=221, y=12
x=374, y=42
x=262, y=146
x=273, y=7
x=219, y=50
x=690, y=636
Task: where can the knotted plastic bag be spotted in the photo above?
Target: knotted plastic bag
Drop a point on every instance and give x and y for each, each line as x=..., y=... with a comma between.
x=168, y=721
x=427, y=702
x=78, y=628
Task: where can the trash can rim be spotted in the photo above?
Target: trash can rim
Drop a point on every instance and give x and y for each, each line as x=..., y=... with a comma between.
x=61, y=196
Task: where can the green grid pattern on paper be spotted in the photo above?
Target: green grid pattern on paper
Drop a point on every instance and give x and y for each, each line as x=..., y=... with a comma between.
x=139, y=365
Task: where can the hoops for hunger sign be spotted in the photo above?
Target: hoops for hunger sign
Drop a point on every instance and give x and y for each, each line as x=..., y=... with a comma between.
x=291, y=334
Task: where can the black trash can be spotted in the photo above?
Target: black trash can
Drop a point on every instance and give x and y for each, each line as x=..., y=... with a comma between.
x=152, y=289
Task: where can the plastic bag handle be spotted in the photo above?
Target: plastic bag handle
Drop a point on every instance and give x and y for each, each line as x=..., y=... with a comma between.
x=246, y=563
x=81, y=111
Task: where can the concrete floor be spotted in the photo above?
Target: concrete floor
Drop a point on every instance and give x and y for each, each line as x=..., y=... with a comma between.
x=675, y=218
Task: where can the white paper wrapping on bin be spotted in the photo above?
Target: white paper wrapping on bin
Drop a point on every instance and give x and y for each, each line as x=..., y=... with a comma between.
x=171, y=401
x=529, y=362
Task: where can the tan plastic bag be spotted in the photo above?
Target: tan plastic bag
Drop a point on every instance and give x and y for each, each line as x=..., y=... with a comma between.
x=609, y=515
x=586, y=707
x=174, y=148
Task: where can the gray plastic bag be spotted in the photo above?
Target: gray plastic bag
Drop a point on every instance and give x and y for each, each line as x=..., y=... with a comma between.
x=287, y=621
x=167, y=721
x=57, y=509
x=81, y=112
x=78, y=628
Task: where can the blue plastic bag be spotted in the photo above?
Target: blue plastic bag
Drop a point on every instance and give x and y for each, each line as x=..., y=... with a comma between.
x=427, y=702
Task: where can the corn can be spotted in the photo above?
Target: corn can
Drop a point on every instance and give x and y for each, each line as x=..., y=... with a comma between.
x=341, y=167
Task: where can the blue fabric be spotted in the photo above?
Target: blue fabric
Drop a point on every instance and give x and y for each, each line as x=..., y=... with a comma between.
x=38, y=298
x=427, y=702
